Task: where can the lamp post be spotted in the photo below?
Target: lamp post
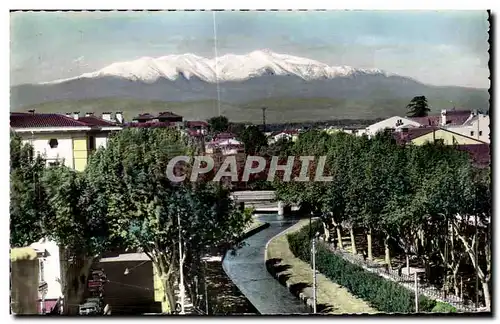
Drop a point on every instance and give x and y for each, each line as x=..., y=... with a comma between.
x=313, y=252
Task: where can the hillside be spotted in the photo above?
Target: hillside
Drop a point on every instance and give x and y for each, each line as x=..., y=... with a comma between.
x=278, y=110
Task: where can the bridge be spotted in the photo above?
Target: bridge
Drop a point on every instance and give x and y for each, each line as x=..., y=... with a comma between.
x=260, y=200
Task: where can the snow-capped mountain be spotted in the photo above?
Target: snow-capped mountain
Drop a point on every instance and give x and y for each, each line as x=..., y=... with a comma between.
x=292, y=87
x=227, y=68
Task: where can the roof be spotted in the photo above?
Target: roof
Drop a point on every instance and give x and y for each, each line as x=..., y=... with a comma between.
x=427, y=120
x=196, y=123
x=167, y=114
x=30, y=120
x=412, y=133
x=457, y=117
x=145, y=116
x=157, y=124
x=453, y=117
x=226, y=135
x=479, y=153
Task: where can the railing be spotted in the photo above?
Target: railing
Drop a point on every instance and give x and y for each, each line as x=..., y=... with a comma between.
x=404, y=279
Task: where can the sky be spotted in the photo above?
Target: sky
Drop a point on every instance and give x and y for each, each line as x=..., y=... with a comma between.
x=434, y=47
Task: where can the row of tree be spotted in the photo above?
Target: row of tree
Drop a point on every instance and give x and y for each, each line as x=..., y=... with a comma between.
x=123, y=200
x=423, y=200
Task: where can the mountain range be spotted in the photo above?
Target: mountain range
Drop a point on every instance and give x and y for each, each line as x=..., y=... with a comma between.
x=301, y=88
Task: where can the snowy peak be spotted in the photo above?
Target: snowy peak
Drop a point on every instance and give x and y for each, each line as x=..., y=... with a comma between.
x=229, y=67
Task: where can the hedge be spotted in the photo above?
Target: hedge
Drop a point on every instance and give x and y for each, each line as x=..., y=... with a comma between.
x=384, y=295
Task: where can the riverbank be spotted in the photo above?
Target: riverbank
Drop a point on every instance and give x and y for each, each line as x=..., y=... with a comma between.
x=296, y=275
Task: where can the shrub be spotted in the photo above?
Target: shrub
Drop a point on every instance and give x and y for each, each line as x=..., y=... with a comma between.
x=384, y=295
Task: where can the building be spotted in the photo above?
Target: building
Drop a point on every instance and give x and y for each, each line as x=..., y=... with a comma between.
x=391, y=123
x=133, y=287
x=479, y=154
x=291, y=135
x=162, y=119
x=50, y=274
x=228, y=146
x=478, y=127
x=63, y=139
x=449, y=119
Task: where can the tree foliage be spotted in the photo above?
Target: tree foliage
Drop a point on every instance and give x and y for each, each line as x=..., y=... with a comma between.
x=421, y=200
x=218, y=124
x=144, y=208
x=254, y=139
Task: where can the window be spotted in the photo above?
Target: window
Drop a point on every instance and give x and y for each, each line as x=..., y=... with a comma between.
x=53, y=143
x=472, y=133
x=480, y=133
x=54, y=164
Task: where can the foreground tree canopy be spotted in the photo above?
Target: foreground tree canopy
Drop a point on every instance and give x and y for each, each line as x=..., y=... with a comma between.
x=124, y=199
x=421, y=200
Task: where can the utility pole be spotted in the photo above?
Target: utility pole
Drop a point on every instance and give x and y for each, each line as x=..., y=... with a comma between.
x=416, y=292
x=314, y=272
x=181, y=270
x=264, y=118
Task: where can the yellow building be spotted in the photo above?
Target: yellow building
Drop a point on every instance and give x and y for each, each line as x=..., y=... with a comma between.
x=445, y=136
x=63, y=139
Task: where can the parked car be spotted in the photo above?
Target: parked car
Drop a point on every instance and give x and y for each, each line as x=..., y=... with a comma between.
x=91, y=306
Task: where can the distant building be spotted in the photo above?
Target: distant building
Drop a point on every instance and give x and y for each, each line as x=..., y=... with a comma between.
x=391, y=123
x=422, y=135
x=449, y=119
x=477, y=126
x=163, y=119
x=228, y=146
x=291, y=135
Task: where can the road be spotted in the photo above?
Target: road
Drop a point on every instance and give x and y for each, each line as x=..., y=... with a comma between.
x=248, y=272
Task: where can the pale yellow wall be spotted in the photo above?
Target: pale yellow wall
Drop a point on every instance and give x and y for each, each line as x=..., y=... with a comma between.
x=160, y=291
x=24, y=281
x=80, y=153
x=448, y=138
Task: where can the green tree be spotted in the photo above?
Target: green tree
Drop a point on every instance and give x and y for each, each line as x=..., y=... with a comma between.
x=254, y=139
x=144, y=208
x=80, y=231
x=28, y=202
x=218, y=124
x=418, y=107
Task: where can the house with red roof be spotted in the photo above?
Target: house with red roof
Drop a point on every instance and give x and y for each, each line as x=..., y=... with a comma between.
x=64, y=139
x=449, y=119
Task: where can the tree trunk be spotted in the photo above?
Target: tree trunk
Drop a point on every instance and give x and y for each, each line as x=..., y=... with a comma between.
x=168, y=289
x=455, y=281
x=74, y=282
x=369, y=240
x=487, y=297
x=327, y=232
x=353, y=241
x=339, y=237
x=387, y=252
